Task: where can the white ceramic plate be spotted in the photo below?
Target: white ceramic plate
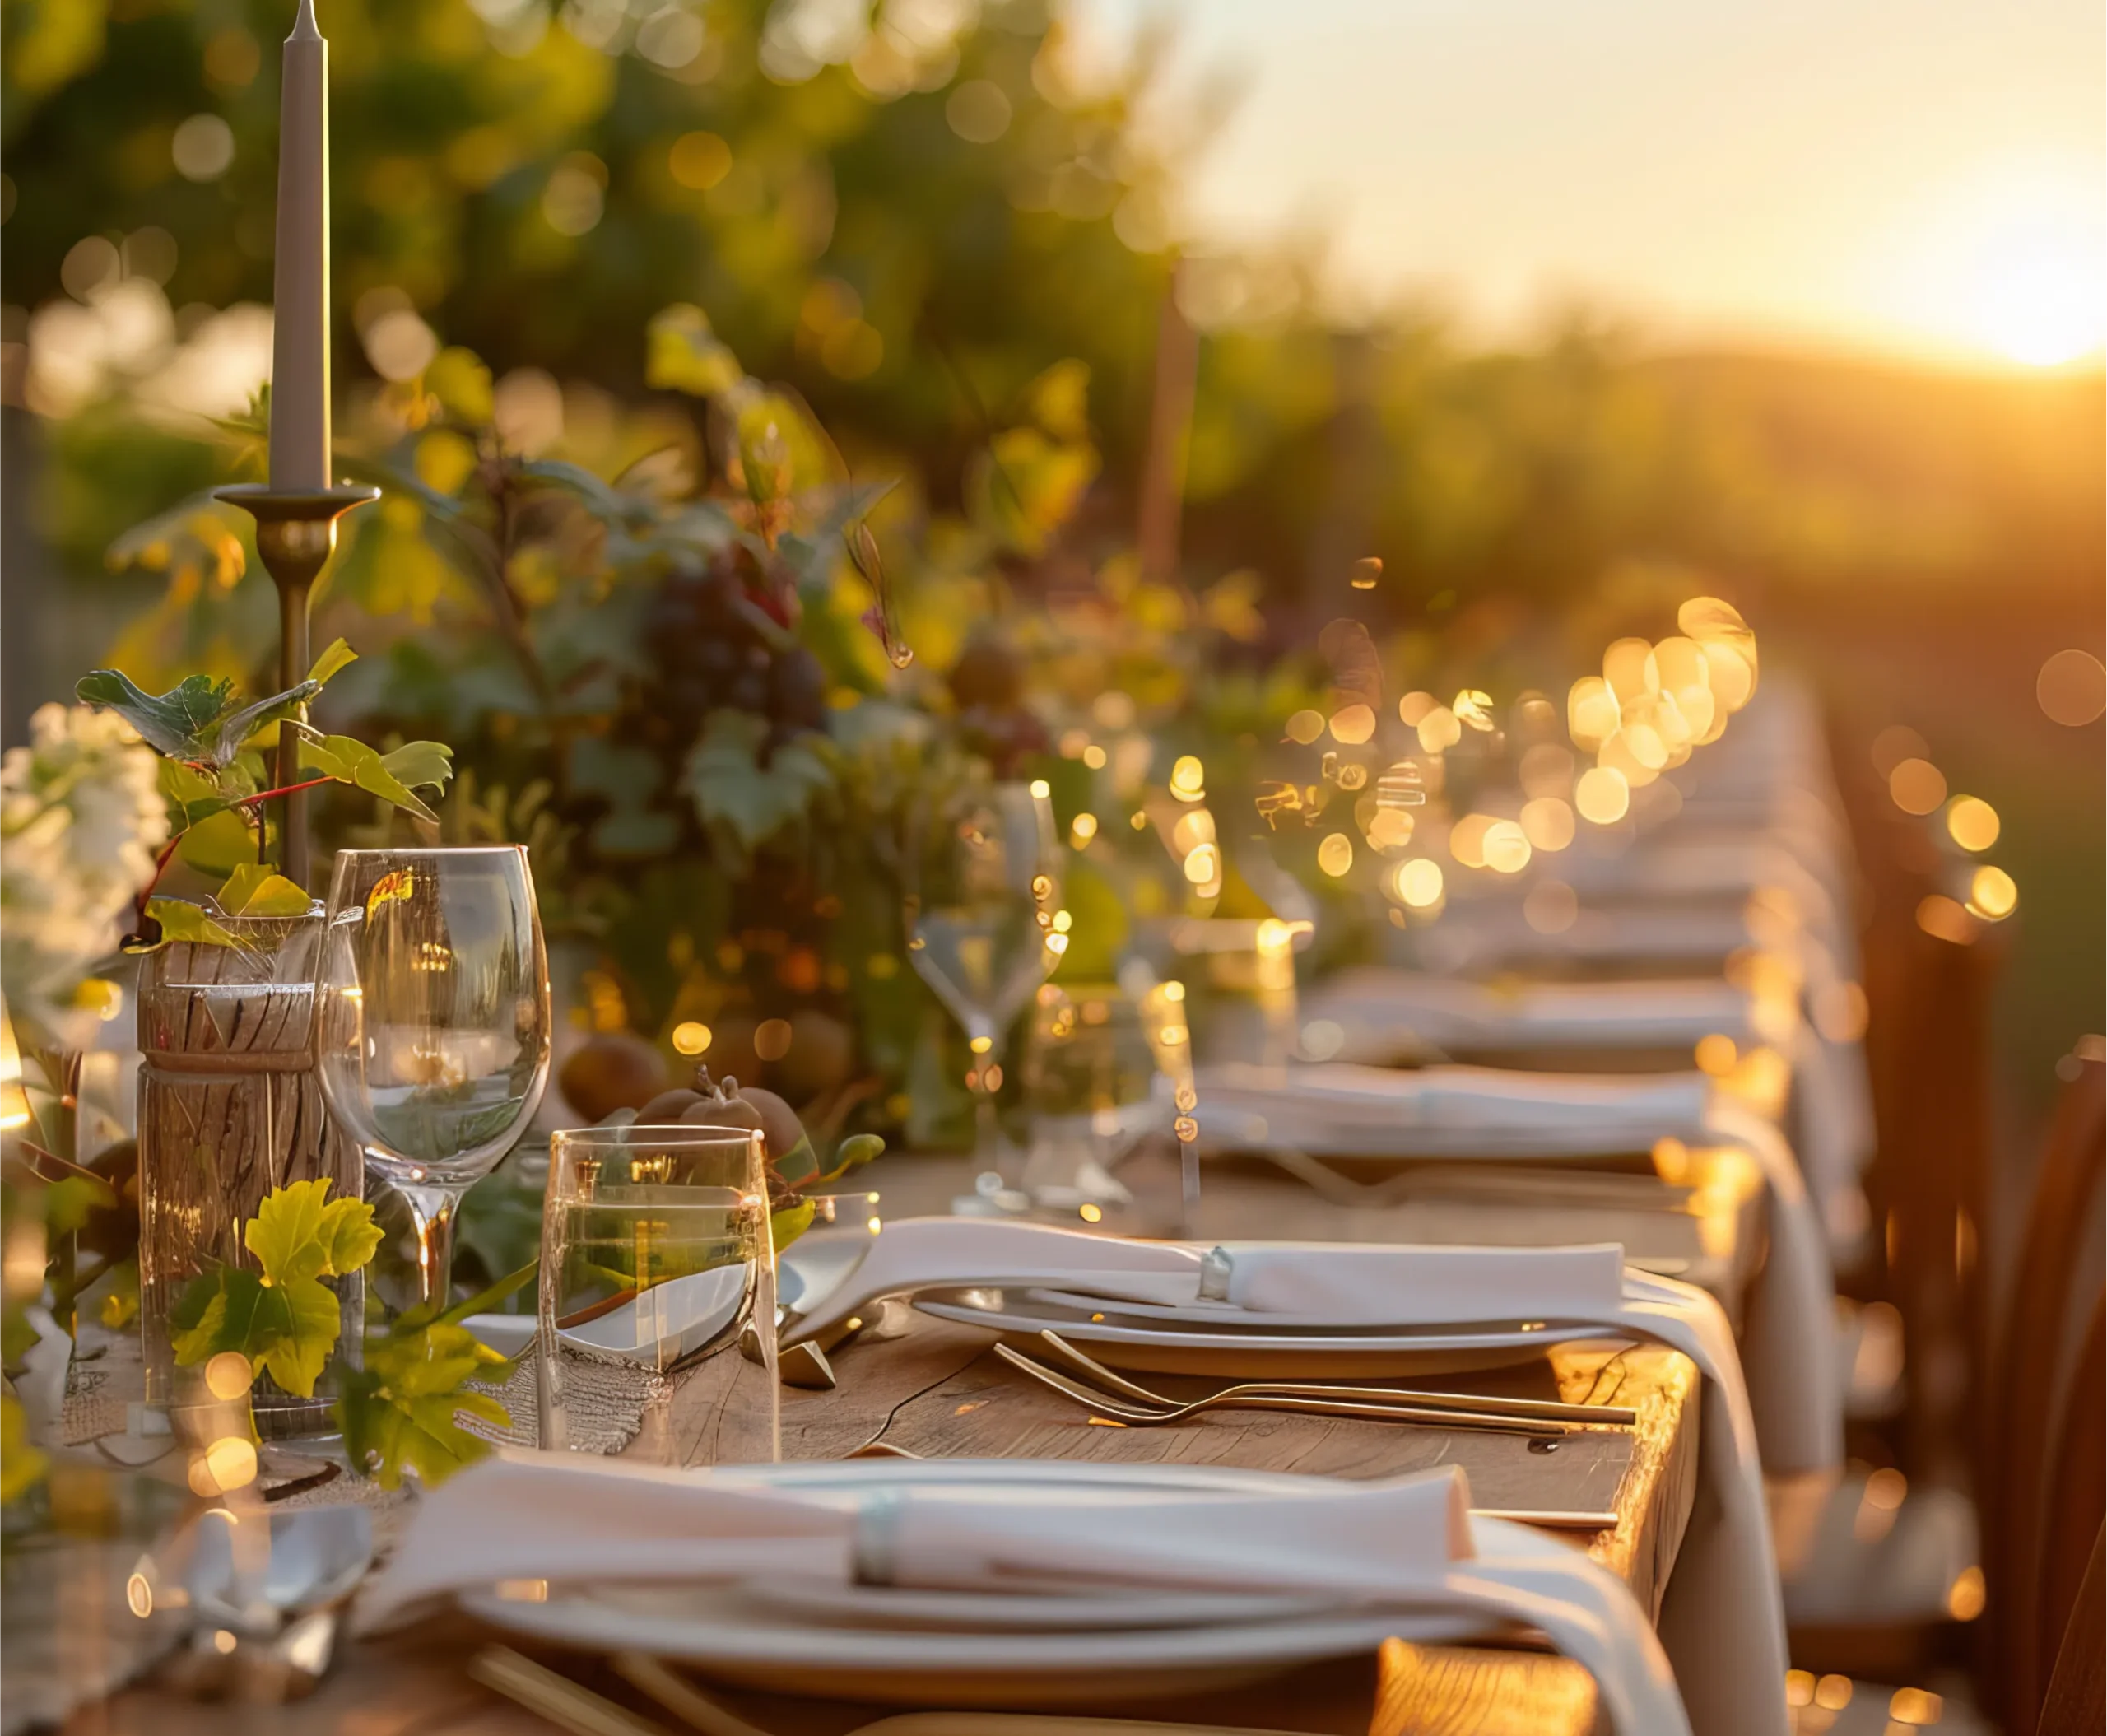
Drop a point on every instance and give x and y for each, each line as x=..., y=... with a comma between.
x=868, y=1643
x=1213, y=1349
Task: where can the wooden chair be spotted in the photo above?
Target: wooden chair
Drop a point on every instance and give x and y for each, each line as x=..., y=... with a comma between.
x=2040, y=1486
x=2076, y=1704
x=2076, y=1501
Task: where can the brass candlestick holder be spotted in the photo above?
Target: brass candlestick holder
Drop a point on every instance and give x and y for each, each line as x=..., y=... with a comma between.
x=295, y=534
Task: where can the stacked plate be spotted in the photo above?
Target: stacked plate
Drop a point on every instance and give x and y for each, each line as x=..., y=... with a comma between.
x=1031, y=1650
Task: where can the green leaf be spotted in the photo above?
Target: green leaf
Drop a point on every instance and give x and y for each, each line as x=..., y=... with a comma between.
x=350, y=760
x=305, y=1319
x=337, y=658
x=238, y=727
x=182, y=920
x=299, y=1232
x=289, y=1329
x=257, y=889
x=180, y=723
x=786, y=1225
x=21, y=1465
x=797, y=1165
x=731, y=790
x=485, y=1302
x=419, y=765
x=683, y=354
x=399, y=1413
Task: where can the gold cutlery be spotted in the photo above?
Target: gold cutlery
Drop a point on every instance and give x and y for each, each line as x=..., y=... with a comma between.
x=1118, y=1411
x=1549, y=1410
x=565, y=1702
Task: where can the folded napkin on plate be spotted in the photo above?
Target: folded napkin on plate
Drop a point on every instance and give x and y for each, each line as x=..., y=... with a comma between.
x=1407, y=1543
x=1339, y=1109
x=1386, y=1013
x=1723, y=1619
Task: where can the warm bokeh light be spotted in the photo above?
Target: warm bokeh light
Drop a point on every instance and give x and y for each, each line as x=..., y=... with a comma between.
x=1943, y=918
x=1629, y=668
x=1591, y=713
x=1352, y=725
x=1418, y=882
x=1917, y=786
x=1506, y=848
x=1413, y=707
x=691, y=1037
x=1335, y=854
x=1439, y=730
x=1992, y=892
x=1972, y=823
x=1547, y=822
x=1188, y=779
x=1473, y=707
x=1466, y=840
x=2072, y=688
x=1602, y=795
x=1305, y=727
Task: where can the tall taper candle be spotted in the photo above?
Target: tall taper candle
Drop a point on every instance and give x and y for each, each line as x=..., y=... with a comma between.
x=299, y=342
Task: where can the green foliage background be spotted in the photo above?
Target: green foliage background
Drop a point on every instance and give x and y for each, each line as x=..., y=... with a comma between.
x=1922, y=540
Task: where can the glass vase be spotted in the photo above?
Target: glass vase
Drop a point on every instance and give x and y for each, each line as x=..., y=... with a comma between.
x=229, y=1107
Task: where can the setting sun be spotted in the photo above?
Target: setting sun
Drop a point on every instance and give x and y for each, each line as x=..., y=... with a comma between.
x=2040, y=301
x=2009, y=262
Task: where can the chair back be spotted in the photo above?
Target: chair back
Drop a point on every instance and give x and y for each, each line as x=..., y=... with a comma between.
x=2039, y=1493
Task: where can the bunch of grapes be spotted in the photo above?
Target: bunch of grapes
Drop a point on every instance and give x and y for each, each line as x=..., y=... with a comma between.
x=711, y=654
x=987, y=685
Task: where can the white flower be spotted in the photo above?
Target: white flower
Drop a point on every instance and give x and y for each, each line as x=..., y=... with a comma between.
x=82, y=820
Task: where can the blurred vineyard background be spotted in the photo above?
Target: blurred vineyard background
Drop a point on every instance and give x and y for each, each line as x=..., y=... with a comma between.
x=922, y=222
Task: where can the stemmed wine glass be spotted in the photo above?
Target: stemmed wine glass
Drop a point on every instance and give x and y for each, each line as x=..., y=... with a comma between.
x=982, y=889
x=432, y=1023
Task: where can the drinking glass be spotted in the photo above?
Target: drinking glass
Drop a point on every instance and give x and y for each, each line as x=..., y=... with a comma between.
x=982, y=888
x=1089, y=1082
x=656, y=1250
x=433, y=1032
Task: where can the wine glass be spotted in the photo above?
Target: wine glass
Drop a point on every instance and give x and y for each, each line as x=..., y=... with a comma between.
x=433, y=1023
x=657, y=1250
x=982, y=894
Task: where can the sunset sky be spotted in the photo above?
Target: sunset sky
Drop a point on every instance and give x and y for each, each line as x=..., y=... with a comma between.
x=1926, y=177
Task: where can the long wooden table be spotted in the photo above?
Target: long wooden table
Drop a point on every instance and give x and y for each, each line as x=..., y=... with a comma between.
x=936, y=1389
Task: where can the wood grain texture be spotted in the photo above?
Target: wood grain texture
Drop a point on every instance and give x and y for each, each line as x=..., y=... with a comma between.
x=230, y=1107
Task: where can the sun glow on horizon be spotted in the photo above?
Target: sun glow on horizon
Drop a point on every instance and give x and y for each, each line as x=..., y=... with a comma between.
x=2012, y=264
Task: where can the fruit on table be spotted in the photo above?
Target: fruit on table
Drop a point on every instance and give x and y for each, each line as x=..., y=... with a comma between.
x=616, y=1069
x=724, y=1102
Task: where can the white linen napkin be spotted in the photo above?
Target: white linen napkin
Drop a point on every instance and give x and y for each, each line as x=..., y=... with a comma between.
x=1722, y=1618
x=1386, y=1013
x=1790, y=1341
x=1339, y=1108
x=1404, y=1544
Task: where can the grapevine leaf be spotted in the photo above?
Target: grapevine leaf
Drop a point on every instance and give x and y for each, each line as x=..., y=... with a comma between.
x=684, y=355
x=350, y=760
x=289, y=1329
x=299, y=1232
x=786, y=1225
x=331, y=661
x=731, y=788
x=400, y=1411
x=420, y=764
x=239, y=726
x=21, y=1465
x=306, y=1318
x=485, y=1301
x=180, y=723
x=179, y=919
x=348, y=1234
x=256, y=889
x=797, y=1165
